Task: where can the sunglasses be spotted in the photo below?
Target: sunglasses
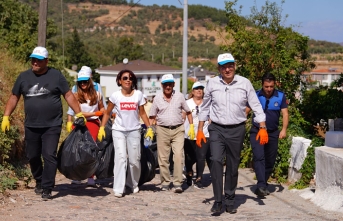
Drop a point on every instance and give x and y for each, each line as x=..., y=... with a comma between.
x=83, y=82
x=224, y=67
x=197, y=110
x=127, y=78
x=197, y=88
x=170, y=84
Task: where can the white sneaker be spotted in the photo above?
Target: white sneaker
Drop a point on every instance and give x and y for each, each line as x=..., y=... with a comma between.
x=90, y=182
x=78, y=182
x=119, y=195
x=135, y=190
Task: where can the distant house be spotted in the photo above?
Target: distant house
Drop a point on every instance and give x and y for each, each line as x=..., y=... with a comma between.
x=148, y=74
x=323, y=77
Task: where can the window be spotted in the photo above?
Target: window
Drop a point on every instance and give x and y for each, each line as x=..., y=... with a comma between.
x=158, y=78
x=324, y=77
x=149, y=78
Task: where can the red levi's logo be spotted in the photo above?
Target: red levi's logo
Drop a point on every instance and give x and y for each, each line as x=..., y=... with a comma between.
x=128, y=106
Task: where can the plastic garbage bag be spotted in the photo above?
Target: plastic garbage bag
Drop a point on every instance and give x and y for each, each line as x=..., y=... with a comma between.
x=106, y=162
x=77, y=155
x=149, y=162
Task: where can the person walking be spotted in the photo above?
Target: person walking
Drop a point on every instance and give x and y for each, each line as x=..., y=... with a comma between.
x=224, y=103
x=193, y=153
x=41, y=88
x=97, y=87
x=129, y=106
x=264, y=155
x=167, y=108
x=91, y=104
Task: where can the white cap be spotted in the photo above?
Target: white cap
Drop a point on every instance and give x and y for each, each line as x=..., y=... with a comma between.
x=167, y=78
x=197, y=84
x=39, y=53
x=84, y=74
x=225, y=58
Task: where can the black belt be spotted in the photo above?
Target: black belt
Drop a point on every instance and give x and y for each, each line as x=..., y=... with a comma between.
x=171, y=127
x=229, y=126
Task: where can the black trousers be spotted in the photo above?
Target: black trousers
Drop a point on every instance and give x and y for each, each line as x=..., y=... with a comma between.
x=43, y=142
x=195, y=154
x=264, y=156
x=225, y=141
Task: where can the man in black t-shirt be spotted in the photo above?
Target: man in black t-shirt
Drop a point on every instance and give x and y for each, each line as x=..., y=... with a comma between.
x=41, y=88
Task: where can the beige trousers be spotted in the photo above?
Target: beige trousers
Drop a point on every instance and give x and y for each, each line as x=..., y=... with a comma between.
x=168, y=139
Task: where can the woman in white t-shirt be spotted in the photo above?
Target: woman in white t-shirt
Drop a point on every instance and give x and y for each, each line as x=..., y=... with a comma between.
x=128, y=103
x=194, y=154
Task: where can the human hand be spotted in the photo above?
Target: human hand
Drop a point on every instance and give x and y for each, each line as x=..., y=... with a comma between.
x=200, y=137
x=263, y=136
x=98, y=113
x=101, y=133
x=149, y=133
x=69, y=126
x=81, y=115
x=5, y=125
x=282, y=134
x=191, y=133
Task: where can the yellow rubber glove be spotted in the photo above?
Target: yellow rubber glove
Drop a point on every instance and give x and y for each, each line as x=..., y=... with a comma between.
x=200, y=137
x=69, y=126
x=263, y=135
x=81, y=115
x=191, y=133
x=101, y=133
x=149, y=133
x=5, y=125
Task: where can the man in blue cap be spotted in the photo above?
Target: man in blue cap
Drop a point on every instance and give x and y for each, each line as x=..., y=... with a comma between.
x=41, y=88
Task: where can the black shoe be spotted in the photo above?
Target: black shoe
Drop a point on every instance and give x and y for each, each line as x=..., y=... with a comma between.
x=46, y=195
x=189, y=180
x=231, y=209
x=198, y=185
x=217, y=207
x=38, y=188
x=261, y=192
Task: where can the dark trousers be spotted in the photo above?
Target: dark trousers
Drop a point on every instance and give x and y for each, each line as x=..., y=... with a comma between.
x=264, y=156
x=228, y=142
x=195, y=154
x=43, y=142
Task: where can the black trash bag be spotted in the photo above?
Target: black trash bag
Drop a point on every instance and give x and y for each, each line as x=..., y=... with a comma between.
x=148, y=162
x=77, y=155
x=106, y=162
x=108, y=136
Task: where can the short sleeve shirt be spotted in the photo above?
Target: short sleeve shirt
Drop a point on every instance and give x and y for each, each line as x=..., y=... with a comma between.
x=42, y=97
x=127, y=110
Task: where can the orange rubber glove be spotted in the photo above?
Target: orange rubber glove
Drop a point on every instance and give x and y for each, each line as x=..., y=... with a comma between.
x=263, y=135
x=200, y=137
x=98, y=113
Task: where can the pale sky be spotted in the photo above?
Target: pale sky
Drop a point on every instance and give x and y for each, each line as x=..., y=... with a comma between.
x=318, y=19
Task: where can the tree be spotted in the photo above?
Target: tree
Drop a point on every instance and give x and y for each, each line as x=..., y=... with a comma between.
x=260, y=44
x=126, y=48
x=77, y=52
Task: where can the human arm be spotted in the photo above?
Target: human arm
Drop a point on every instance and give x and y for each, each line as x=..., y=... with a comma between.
x=247, y=110
x=285, y=119
x=200, y=134
x=72, y=101
x=105, y=117
x=10, y=106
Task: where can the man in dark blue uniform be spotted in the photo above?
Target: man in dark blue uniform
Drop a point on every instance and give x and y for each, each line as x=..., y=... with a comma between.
x=273, y=102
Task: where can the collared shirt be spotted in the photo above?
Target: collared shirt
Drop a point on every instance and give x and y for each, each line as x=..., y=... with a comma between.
x=225, y=103
x=169, y=113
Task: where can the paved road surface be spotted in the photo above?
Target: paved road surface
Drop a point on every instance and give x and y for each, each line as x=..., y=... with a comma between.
x=79, y=202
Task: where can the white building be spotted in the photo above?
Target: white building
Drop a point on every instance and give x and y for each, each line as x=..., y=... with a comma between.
x=323, y=77
x=148, y=76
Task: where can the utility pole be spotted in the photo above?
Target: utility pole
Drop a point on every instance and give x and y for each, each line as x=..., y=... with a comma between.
x=43, y=9
x=185, y=47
